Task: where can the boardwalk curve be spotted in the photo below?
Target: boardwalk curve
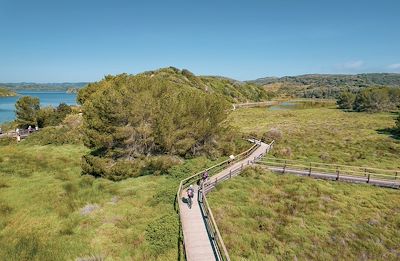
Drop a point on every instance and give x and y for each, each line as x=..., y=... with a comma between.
x=201, y=237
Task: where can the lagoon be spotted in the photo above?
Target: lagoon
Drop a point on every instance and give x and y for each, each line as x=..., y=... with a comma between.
x=7, y=104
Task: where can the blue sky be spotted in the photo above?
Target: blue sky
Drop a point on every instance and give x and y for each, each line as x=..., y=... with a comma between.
x=83, y=40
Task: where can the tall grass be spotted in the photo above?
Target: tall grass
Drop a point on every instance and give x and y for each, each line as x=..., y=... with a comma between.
x=327, y=135
x=48, y=211
x=266, y=216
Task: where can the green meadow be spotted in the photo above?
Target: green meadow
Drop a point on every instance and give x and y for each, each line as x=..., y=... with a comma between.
x=323, y=133
x=267, y=216
x=48, y=210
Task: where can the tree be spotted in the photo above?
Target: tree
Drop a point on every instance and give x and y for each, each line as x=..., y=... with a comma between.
x=346, y=100
x=27, y=108
x=49, y=116
x=373, y=100
x=129, y=116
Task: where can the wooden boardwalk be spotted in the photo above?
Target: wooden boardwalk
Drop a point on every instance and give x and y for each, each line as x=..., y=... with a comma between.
x=344, y=178
x=389, y=178
x=12, y=134
x=197, y=240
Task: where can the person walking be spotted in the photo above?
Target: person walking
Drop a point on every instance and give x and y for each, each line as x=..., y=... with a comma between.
x=190, y=194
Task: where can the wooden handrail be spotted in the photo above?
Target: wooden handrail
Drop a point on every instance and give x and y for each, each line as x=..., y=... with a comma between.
x=331, y=169
x=354, y=172
x=196, y=177
x=335, y=165
x=215, y=228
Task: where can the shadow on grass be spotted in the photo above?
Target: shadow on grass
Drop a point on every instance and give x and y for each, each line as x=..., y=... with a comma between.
x=391, y=132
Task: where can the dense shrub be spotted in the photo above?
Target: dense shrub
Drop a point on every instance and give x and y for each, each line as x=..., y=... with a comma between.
x=49, y=116
x=130, y=118
x=373, y=100
x=272, y=134
x=162, y=233
x=346, y=100
x=26, y=109
x=121, y=169
x=142, y=115
x=370, y=100
x=159, y=165
x=55, y=135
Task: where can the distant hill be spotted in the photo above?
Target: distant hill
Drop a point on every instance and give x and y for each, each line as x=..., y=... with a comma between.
x=30, y=86
x=233, y=90
x=6, y=93
x=326, y=85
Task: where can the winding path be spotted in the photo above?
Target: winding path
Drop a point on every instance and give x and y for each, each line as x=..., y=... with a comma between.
x=198, y=244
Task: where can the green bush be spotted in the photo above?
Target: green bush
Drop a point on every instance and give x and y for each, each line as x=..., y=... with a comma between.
x=374, y=100
x=272, y=135
x=162, y=233
x=113, y=170
x=56, y=136
x=26, y=110
x=159, y=165
x=49, y=116
x=346, y=100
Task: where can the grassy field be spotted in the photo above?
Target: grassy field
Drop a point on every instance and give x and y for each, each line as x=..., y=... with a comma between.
x=326, y=134
x=48, y=210
x=265, y=216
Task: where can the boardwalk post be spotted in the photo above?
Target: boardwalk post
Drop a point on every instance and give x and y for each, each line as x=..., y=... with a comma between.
x=395, y=177
x=284, y=167
x=230, y=174
x=365, y=170
x=309, y=173
x=337, y=172
x=368, y=178
x=241, y=168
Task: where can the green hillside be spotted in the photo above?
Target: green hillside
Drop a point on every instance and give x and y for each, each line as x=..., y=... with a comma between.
x=31, y=86
x=134, y=123
x=326, y=85
x=5, y=93
x=232, y=90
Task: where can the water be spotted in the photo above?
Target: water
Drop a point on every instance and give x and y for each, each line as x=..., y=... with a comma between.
x=7, y=104
x=301, y=105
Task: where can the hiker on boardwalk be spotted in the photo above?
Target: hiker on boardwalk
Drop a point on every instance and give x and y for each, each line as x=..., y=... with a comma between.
x=190, y=194
x=30, y=129
x=204, y=177
x=231, y=159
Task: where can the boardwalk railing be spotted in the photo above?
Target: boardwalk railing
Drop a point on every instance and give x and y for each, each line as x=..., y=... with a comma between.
x=22, y=133
x=212, y=228
x=380, y=177
x=211, y=184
